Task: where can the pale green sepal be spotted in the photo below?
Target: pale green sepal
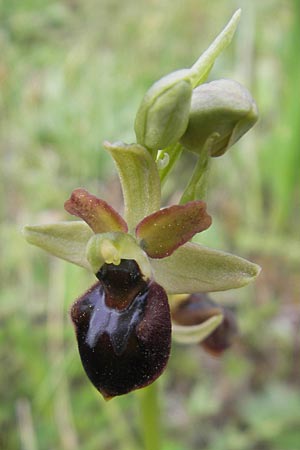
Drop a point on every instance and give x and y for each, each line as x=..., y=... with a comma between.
x=195, y=268
x=139, y=178
x=200, y=70
x=66, y=240
x=110, y=248
x=194, y=334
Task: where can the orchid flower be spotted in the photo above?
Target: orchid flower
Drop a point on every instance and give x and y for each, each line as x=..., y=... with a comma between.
x=123, y=322
x=144, y=259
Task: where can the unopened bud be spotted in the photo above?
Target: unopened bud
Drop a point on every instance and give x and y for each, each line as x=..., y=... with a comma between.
x=163, y=115
x=222, y=111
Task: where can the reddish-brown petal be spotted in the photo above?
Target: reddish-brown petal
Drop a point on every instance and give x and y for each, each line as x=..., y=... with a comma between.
x=98, y=214
x=164, y=231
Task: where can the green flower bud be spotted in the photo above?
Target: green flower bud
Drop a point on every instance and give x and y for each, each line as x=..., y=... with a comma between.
x=163, y=115
x=221, y=112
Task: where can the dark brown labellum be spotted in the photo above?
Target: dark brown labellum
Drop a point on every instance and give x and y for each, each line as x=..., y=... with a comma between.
x=196, y=309
x=123, y=329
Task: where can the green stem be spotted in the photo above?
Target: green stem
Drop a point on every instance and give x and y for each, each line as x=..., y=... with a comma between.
x=197, y=186
x=150, y=417
x=121, y=430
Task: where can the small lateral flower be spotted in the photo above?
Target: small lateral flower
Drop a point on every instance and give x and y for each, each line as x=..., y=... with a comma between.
x=123, y=322
x=198, y=308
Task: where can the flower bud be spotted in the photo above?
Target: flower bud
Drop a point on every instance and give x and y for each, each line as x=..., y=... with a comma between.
x=221, y=112
x=198, y=308
x=123, y=329
x=163, y=115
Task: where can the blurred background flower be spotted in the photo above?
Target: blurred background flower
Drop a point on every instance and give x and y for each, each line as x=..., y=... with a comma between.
x=72, y=74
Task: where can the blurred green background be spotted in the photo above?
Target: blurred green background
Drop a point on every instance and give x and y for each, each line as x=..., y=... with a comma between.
x=72, y=74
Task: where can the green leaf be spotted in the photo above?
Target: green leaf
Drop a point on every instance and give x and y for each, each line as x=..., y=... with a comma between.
x=139, y=178
x=161, y=233
x=200, y=70
x=98, y=214
x=195, y=268
x=194, y=334
x=66, y=240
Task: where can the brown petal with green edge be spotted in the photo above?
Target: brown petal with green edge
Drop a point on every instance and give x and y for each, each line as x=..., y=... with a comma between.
x=164, y=231
x=199, y=308
x=123, y=329
x=98, y=214
x=196, y=268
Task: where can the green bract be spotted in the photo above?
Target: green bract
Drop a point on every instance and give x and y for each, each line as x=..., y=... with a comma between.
x=221, y=111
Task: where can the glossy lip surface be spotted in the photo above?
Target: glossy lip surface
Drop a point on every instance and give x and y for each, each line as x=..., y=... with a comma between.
x=128, y=348
x=117, y=324
x=122, y=283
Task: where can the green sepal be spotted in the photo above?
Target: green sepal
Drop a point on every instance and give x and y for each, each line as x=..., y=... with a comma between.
x=194, y=334
x=195, y=268
x=139, y=178
x=110, y=248
x=66, y=240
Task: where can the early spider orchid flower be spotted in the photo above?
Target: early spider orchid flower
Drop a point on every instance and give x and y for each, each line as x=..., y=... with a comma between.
x=123, y=322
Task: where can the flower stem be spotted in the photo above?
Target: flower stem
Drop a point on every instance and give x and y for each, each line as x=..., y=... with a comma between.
x=197, y=186
x=150, y=417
